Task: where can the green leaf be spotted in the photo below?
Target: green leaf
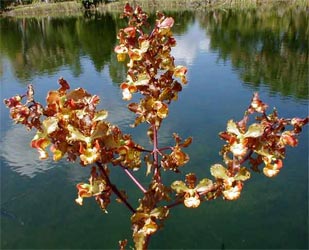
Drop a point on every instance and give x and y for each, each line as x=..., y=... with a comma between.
x=218, y=171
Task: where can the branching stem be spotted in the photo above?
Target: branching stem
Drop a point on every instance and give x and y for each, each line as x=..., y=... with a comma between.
x=114, y=188
x=132, y=177
x=157, y=174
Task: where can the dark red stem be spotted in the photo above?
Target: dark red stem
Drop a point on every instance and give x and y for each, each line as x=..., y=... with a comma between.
x=114, y=188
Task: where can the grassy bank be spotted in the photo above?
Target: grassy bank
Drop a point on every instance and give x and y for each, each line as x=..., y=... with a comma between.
x=45, y=9
x=201, y=5
x=74, y=8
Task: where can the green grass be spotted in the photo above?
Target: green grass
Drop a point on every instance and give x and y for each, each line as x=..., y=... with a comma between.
x=44, y=9
x=203, y=4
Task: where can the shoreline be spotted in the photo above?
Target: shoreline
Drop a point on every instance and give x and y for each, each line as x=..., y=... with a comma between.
x=74, y=8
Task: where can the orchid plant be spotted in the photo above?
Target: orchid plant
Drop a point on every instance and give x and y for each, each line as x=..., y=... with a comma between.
x=71, y=126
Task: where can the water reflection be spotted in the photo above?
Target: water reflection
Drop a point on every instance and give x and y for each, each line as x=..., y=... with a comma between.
x=39, y=46
x=269, y=48
x=186, y=51
x=19, y=156
x=24, y=160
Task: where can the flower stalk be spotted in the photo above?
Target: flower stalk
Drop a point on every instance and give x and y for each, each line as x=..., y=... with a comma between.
x=114, y=188
x=157, y=174
x=132, y=177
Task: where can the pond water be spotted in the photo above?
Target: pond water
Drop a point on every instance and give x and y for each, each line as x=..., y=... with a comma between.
x=229, y=54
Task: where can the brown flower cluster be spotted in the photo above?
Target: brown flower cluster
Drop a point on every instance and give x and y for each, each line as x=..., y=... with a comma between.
x=151, y=68
x=70, y=125
x=97, y=187
x=262, y=143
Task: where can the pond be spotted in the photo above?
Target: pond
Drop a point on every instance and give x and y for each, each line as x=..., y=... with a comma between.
x=230, y=54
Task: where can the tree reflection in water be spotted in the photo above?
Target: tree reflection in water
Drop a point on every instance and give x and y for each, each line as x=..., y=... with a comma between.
x=265, y=47
x=269, y=48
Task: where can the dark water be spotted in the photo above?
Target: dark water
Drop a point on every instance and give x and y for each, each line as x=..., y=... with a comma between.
x=229, y=55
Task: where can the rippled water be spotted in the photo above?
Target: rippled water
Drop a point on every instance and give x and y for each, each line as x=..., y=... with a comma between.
x=229, y=55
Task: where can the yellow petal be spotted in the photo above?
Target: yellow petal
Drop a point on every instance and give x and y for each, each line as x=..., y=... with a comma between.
x=218, y=171
x=255, y=130
x=232, y=128
x=121, y=57
x=101, y=115
x=50, y=124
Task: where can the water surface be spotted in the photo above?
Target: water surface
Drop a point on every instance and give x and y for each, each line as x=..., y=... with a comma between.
x=229, y=55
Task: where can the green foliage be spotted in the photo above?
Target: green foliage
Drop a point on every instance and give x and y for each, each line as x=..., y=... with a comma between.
x=264, y=46
x=56, y=43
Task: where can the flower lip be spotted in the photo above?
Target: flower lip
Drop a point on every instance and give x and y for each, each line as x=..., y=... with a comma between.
x=167, y=23
x=121, y=49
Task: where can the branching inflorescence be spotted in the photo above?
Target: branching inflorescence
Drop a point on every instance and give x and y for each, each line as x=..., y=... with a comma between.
x=70, y=125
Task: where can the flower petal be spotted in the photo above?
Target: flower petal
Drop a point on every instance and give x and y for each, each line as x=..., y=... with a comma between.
x=144, y=46
x=232, y=128
x=238, y=149
x=180, y=71
x=242, y=175
x=101, y=115
x=100, y=130
x=218, y=171
x=269, y=172
x=159, y=212
x=288, y=138
x=120, y=49
x=179, y=187
x=255, y=130
x=89, y=155
x=192, y=201
x=203, y=185
x=233, y=193
x=135, y=54
x=167, y=23
x=40, y=142
x=83, y=191
x=126, y=94
x=50, y=124
x=75, y=135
